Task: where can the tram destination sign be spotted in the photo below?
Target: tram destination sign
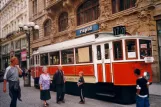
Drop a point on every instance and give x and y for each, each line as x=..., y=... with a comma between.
x=87, y=29
x=119, y=30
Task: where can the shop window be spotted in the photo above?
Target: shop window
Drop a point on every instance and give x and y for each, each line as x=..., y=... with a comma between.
x=63, y=21
x=145, y=48
x=84, y=54
x=88, y=11
x=120, y=5
x=99, y=56
x=47, y=27
x=118, y=54
x=131, y=50
x=44, y=59
x=67, y=56
x=54, y=58
x=107, y=51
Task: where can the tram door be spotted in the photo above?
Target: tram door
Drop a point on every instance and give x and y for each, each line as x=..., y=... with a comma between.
x=103, y=61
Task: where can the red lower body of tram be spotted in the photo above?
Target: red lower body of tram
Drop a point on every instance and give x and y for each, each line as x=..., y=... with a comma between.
x=119, y=85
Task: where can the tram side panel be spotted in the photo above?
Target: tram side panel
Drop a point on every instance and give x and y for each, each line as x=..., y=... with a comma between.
x=124, y=72
x=125, y=80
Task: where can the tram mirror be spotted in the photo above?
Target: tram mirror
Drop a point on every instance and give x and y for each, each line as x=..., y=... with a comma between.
x=146, y=75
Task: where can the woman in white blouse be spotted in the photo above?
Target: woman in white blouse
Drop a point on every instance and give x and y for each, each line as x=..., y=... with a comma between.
x=44, y=82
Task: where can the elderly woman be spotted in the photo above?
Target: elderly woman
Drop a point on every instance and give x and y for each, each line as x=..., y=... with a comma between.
x=44, y=82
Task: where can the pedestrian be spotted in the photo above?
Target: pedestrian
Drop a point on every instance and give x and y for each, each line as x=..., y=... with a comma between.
x=81, y=87
x=142, y=85
x=59, y=82
x=44, y=82
x=12, y=77
x=23, y=73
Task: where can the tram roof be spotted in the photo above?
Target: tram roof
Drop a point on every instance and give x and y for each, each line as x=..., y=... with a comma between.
x=86, y=40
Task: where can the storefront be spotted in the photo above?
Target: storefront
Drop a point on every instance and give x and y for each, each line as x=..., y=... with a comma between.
x=5, y=61
x=23, y=58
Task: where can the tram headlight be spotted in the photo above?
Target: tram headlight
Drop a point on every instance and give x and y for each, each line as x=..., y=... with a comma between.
x=146, y=75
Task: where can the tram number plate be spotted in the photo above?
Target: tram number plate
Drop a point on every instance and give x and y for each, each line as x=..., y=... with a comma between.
x=119, y=30
x=149, y=59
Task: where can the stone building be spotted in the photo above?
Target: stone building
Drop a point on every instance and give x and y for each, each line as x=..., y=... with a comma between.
x=13, y=42
x=59, y=20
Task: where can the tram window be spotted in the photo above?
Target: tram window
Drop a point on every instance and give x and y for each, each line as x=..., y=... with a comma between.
x=145, y=48
x=54, y=58
x=67, y=56
x=131, y=52
x=84, y=54
x=32, y=61
x=118, y=55
x=99, y=57
x=36, y=59
x=106, y=51
x=44, y=59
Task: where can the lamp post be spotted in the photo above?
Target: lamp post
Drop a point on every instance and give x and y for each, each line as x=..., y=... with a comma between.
x=28, y=28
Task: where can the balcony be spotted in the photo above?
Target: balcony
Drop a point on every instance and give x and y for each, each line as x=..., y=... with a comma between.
x=52, y=3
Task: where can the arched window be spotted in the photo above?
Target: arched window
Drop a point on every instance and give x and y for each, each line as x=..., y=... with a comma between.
x=88, y=11
x=47, y=27
x=63, y=21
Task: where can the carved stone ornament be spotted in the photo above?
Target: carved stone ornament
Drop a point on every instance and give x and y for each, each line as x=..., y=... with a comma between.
x=105, y=9
x=71, y=23
x=103, y=26
x=144, y=22
x=67, y=3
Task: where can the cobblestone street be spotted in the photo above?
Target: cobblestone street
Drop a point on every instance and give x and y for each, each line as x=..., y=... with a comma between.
x=30, y=97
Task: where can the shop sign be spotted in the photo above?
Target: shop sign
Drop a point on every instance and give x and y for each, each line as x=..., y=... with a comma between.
x=23, y=55
x=88, y=29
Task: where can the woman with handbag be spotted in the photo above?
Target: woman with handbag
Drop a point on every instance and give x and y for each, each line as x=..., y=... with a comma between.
x=44, y=82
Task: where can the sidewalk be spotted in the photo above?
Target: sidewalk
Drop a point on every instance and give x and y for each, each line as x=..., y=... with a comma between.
x=155, y=89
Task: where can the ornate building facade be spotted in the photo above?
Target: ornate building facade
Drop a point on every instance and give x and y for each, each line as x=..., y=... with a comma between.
x=13, y=42
x=59, y=20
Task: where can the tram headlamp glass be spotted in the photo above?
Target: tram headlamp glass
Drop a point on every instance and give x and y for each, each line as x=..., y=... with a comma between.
x=146, y=75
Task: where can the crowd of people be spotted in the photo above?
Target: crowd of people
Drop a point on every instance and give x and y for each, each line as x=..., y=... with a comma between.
x=13, y=71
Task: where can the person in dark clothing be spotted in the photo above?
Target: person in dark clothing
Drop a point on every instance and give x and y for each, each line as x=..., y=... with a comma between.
x=142, y=99
x=59, y=82
x=12, y=76
x=81, y=87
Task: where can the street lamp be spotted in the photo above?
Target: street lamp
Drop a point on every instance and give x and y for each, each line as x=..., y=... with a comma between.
x=27, y=28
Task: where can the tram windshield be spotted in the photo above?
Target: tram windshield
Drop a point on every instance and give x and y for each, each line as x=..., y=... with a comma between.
x=145, y=48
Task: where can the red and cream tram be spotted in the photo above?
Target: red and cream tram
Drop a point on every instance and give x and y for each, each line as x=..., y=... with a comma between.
x=107, y=61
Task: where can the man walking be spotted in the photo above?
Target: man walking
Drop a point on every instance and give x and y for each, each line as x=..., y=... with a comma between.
x=142, y=99
x=12, y=76
x=59, y=81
